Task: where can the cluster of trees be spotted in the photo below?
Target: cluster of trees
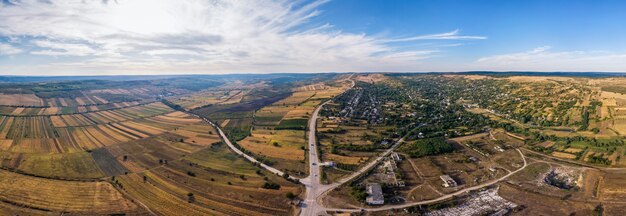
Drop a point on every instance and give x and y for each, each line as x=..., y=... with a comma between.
x=426, y=147
x=585, y=121
x=542, y=104
x=351, y=147
x=271, y=185
x=172, y=105
x=358, y=193
x=598, y=159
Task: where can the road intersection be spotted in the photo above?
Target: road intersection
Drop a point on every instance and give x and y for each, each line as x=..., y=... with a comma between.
x=312, y=204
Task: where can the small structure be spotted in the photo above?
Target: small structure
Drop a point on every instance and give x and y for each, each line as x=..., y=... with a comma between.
x=420, y=135
x=374, y=194
x=384, y=143
x=396, y=157
x=448, y=181
x=500, y=149
x=328, y=164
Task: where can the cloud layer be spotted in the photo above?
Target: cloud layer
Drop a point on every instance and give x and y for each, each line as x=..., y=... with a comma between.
x=543, y=59
x=194, y=36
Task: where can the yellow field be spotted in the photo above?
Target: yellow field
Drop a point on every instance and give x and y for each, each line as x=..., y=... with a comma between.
x=101, y=100
x=63, y=196
x=63, y=102
x=620, y=126
x=344, y=159
x=204, y=98
x=224, y=123
x=20, y=100
x=5, y=144
x=573, y=150
x=179, y=118
x=262, y=142
x=371, y=78
x=537, y=79
x=80, y=101
x=17, y=111
x=77, y=165
x=198, y=137
x=563, y=155
x=143, y=128
x=296, y=98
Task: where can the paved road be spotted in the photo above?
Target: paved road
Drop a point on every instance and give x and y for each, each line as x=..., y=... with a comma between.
x=312, y=183
x=314, y=188
x=239, y=152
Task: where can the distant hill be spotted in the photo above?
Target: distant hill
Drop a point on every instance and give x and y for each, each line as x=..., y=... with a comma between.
x=535, y=73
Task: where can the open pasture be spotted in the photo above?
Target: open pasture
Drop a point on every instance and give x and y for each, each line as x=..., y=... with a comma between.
x=284, y=144
x=271, y=115
x=217, y=186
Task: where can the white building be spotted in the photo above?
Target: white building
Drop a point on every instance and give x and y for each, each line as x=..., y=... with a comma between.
x=448, y=181
x=328, y=164
x=374, y=194
x=396, y=157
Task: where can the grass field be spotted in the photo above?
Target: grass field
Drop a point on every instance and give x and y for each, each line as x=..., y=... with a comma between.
x=292, y=124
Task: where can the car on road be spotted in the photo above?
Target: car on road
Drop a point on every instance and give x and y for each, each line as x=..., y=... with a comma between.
x=314, y=164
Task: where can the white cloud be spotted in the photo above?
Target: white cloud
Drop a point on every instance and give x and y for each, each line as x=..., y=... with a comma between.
x=542, y=59
x=7, y=49
x=197, y=36
x=62, y=49
x=453, y=35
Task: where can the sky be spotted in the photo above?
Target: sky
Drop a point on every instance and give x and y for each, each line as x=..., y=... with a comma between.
x=139, y=37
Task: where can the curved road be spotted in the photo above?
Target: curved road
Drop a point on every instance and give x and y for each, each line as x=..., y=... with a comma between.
x=241, y=153
x=441, y=198
x=315, y=190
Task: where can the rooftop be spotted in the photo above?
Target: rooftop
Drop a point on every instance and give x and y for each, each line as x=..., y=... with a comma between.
x=374, y=194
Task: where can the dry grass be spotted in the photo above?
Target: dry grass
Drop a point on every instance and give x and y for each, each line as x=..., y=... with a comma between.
x=62, y=196
x=289, y=142
x=563, y=155
x=573, y=150
x=20, y=100
x=371, y=78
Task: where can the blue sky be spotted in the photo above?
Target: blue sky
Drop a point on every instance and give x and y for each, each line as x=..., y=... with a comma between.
x=196, y=36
